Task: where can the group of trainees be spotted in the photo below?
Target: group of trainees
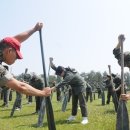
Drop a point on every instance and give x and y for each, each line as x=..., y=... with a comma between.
x=10, y=51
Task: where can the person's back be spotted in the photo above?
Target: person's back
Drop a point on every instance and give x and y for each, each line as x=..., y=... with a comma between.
x=76, y=82
x=37, y=82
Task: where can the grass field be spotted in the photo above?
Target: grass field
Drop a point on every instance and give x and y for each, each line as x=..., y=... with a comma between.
x=100, y=117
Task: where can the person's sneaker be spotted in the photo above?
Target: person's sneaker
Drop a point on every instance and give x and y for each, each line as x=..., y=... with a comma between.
x=84, y=121
x=17, y=108
x=71, y=118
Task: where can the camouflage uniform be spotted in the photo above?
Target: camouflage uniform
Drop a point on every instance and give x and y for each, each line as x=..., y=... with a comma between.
x=6, y=93
x=5, y=75
x=117, y=54
x=77, y=84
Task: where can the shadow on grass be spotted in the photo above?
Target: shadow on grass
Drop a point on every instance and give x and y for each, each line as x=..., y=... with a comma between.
x=45, y=124
x=6, y=109
x=99, y=105
x=59, y=110
x=110, y=112
x=16, y=116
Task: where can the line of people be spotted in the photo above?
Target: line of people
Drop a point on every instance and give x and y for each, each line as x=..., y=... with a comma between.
x=10, y=52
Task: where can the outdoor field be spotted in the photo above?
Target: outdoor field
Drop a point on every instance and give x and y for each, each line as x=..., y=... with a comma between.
x=100, y=117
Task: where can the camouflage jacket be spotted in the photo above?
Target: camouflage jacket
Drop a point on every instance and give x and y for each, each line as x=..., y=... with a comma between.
x=76, y=82
x=117, y=54
x=5, y=75
x=37, y=82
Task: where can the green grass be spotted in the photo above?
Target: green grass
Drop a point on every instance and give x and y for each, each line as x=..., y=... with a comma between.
x=100, y=117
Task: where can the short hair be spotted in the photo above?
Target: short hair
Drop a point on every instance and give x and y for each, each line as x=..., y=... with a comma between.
x=113, y=75
x=4, y=45
x=59, y=70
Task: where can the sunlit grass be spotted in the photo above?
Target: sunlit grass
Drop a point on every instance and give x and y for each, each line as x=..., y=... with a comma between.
x=100, y=117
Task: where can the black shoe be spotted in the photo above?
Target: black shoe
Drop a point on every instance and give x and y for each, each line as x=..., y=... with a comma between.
x=4, y=105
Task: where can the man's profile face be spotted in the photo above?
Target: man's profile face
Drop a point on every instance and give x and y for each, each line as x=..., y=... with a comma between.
x=62, y=74
x=9, y=56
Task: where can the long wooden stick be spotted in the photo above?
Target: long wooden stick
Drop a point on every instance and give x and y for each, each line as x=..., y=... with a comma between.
x=122, y=113
x=49, y=109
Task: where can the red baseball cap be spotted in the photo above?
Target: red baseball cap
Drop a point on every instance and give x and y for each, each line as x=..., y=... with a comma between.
x=15, y=44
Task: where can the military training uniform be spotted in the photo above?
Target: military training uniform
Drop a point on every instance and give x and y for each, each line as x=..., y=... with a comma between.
x=117, y=54
x=77, y=84
x=38, y=83
x=5, y=75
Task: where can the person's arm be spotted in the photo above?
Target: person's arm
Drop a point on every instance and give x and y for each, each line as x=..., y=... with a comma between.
x=121, y=39
x=125, y=97
x=118, y=88
x=27, y=89
x=25, y=35
x=52, y=64
x=67, y=79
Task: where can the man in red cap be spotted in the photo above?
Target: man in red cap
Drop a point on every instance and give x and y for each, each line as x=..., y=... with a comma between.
x=9, y=53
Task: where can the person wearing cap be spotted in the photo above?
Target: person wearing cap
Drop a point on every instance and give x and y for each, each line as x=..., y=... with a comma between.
x=77, y=83
x=9, y=53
